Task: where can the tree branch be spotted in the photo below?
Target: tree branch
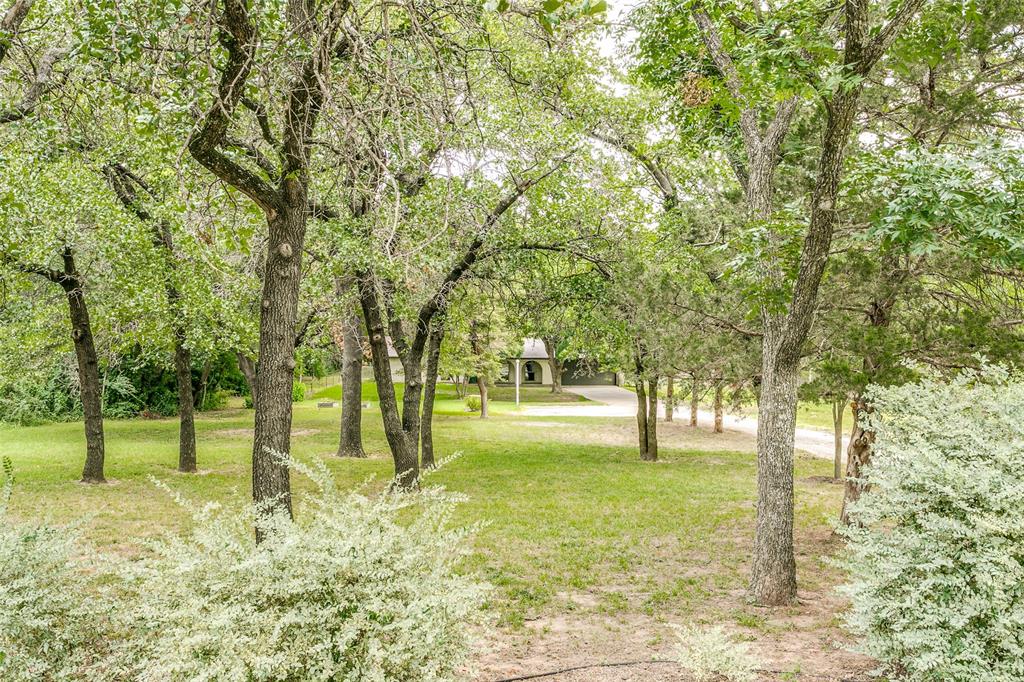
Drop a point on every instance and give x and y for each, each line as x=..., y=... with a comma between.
x=11, y=24
x=239, y=38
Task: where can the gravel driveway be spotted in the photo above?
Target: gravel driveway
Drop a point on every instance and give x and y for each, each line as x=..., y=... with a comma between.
x=614, y=401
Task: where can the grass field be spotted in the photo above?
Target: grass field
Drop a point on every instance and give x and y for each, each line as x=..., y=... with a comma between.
x=591, y=551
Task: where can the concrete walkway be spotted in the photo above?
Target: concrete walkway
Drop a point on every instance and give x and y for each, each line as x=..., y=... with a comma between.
x=614, y=401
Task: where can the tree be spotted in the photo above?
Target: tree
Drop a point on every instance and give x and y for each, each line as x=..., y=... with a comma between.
x=765, y=94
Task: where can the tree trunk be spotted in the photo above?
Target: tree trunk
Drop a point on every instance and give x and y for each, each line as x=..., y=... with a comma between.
x=694, y=402
x=670, y=406
x=404, y=449
x=186, y=408
x=481, y=384
x=652, y=420
x=351, y=444
x=838, y=408
x=773, y=574
x=271, y=484
x=88, y=372
x=247, y=367
x=204, y=383
x=429, y=390
x=858, y=455
x=641, y=415
x=719, y=388
x=551, y=346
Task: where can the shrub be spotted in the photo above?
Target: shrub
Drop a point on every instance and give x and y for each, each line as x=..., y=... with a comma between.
x=936, y=558
x=215, y=400
x=298, y=392
x=473, y=403
x=47, y=624
x=710, y=654
x=247, y=402
x=358, y=588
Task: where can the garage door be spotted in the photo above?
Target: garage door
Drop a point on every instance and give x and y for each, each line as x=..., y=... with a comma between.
x=577, y=375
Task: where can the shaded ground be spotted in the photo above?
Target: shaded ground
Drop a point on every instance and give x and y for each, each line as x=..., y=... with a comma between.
x=592, y=553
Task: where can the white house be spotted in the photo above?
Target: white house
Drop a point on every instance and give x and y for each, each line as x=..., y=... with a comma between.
x=534, y=369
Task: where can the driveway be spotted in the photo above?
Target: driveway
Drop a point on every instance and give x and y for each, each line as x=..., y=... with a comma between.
x=614, y=401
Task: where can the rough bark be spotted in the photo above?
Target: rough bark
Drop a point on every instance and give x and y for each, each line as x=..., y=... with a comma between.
x=351, y=443
x=186, y=408
x=88, y=370
x=773, y=575
x=858, y=455
x=670, y=405
x=404, y=448
x=719, y=388
x=641, y=415
x=652, y=420
x=275, y=374
x=427, y=460
x=551, y=346
x=838, y=408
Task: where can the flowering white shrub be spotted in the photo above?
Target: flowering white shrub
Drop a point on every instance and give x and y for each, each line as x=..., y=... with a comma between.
x=710, y=654
x=359, y=588
x=936, y=555
x=47, y=624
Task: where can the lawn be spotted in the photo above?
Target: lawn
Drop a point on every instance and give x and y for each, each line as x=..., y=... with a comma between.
x=592, y=552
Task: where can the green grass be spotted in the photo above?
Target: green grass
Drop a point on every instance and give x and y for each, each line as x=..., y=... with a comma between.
x=568, y=506
x=447, y=400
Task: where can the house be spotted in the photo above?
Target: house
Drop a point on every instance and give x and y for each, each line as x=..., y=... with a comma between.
x=534, y=369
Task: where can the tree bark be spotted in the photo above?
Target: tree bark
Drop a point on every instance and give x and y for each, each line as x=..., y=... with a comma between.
x=481, y=384
x=275, y=373
x=88, y=370
x=204, y=383
x=186, y=408
x=773, y=575
x=838, y=408
x=247, y=366
x=858, y=455
x=694, y=402
x=718, y=407
x=641, y=415
x=652, y=420
x=551, y=346
x=404, y=448
x=427, y=460
x=669, y=398
x=351, y=443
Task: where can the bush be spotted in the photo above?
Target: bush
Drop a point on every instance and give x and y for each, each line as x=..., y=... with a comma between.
x=359, y=588
x=47, y=626
x=473, y=403
x=40, y=398
x=298, y=392
x=936, y=558
x=710, y=654
x=215, y=400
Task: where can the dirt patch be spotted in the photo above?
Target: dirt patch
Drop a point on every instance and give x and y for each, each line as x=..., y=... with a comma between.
x=824, y=479
x=248, y=433
x=794, y=643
